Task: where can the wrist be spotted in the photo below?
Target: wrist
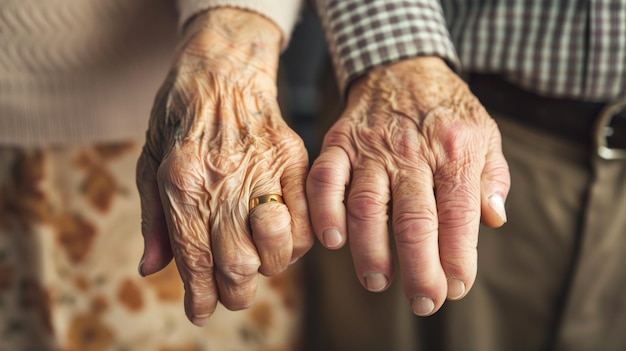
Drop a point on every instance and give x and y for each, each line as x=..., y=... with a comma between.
x=395, y=74
x=230, y=37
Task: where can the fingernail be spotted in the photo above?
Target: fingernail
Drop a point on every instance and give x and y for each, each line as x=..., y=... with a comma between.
x=422, y=306
x=496, y=202
x=294, y=260
x=200, y=320
x=456, y=289
x=332, y=237
x=140, y=267
x=375, y=281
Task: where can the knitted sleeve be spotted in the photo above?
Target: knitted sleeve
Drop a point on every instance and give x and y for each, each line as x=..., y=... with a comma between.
x=284, y=13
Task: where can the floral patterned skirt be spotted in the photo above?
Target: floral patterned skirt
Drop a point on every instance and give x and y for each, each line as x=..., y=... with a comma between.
x=70, y=243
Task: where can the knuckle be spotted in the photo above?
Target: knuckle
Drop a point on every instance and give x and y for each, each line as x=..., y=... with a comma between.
x=270, y=219
x=193, y=261
x=200, y=287
x=339, y=135
x=271, y=228
x=273, y=242
x=293, y=144
x=405, y=143
x=367, y=205
x=457, y=213
x=457, y=141
x=274, y=265
x=239, y=274
x=498, y=172
x=237, y=303
x=460, y=264
x=179, y=175
x=324, y=173
x=414, y=228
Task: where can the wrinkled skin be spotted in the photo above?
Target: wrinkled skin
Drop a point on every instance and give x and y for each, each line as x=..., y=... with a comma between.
x=216, y=139
x=413, y=147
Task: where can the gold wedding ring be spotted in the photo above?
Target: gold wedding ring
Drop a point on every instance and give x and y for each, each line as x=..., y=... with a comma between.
x=264, y=199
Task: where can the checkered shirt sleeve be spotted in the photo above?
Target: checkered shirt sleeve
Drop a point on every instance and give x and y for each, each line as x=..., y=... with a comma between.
x=567, y=48
x=363, y=34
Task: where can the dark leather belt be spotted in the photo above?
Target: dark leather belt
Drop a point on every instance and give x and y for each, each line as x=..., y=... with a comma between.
x=601, y=126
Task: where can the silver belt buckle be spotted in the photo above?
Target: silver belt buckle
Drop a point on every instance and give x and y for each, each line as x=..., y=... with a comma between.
x=603, y=130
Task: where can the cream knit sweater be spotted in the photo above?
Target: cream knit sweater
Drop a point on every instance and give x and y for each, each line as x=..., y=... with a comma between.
x=74, y=71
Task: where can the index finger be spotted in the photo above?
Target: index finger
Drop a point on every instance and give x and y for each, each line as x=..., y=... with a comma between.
x=326, y=191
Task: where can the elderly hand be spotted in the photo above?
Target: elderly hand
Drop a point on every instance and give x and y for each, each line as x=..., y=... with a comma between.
x=416, y=145
x=216, y=140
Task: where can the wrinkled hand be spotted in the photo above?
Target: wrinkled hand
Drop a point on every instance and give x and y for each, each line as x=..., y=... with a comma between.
x=416, y=145
x=217, y=139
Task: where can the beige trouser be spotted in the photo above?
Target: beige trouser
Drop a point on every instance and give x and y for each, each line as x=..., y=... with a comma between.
x=553, y=278
x=70, y=243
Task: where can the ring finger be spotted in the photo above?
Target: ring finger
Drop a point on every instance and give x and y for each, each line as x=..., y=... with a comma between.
x=270, y=223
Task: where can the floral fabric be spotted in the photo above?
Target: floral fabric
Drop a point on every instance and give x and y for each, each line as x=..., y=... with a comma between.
x=70, y=243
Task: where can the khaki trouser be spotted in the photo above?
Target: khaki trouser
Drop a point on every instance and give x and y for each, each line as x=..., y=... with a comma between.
x=553, y=278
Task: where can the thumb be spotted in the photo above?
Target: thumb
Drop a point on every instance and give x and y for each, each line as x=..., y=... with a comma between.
x=495, y=184
x=157, y=250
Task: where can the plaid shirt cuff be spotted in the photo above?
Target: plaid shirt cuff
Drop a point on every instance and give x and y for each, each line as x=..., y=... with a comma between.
x=363, y=34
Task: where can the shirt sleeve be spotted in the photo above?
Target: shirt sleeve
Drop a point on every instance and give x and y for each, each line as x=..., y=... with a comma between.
x=363, y=34
x=284, y=13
